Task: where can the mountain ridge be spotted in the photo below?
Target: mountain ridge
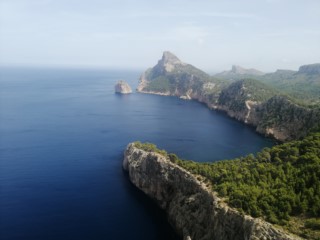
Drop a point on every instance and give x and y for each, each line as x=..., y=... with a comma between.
x=238, y=70
x=247, y=100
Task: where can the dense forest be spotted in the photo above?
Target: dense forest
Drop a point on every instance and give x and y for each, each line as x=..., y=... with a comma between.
x=280, y=184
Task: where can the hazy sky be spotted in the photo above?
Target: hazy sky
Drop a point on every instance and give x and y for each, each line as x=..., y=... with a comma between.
x=212, y=35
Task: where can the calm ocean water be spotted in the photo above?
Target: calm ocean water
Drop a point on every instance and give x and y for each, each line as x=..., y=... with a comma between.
x=62, y=136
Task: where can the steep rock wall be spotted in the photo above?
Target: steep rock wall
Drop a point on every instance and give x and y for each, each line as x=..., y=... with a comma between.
x=192, y=208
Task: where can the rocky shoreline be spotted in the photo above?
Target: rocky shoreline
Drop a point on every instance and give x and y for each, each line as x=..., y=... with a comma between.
x=193, y=209
x=248, y=101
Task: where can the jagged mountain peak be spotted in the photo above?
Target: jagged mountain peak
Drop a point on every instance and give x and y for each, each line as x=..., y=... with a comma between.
x=169, y=61
x=169, y=57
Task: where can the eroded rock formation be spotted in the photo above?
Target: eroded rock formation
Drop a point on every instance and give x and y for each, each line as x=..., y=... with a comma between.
x=122, y=87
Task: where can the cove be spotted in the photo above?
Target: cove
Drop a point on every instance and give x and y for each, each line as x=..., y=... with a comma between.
x=62, y=137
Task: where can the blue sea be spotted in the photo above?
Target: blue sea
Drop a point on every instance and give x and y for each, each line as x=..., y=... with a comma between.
x=62, y=137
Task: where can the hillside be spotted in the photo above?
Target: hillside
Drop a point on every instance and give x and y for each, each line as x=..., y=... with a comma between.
x=265, y=108
x=303, y=85
x=253, y=102
x=280, y=184
x=238, y=73
x=173, y=77
x=236, y=96
x=192, y=208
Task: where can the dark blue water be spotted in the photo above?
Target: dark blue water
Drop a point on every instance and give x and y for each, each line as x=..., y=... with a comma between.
x=62, y=136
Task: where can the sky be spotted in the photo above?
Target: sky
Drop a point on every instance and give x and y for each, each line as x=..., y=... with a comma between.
x=132, y=34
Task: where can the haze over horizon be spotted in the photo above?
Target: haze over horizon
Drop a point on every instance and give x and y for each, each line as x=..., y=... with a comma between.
x=211, y=35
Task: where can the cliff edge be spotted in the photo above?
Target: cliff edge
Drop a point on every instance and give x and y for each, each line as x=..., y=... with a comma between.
x=192, y=208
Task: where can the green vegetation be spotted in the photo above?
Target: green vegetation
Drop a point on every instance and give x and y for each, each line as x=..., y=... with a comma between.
x=299, y=85
x=276, y=184
x=280, y=184
x=302, y=86
x=237, y=93
x=282, y=111
x=159, y=84
x=313, y=224
x=149, y=147
x=182, y=79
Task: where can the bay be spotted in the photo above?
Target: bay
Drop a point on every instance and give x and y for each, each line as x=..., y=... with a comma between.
x=62, y=137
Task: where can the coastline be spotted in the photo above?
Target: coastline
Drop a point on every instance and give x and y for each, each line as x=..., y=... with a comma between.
x=193, y=209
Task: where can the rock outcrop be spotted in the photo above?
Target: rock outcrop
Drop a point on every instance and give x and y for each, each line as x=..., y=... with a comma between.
x=122, y=87
x=192, y=208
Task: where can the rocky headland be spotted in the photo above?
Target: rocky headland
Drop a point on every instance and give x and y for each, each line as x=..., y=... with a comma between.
x=268, y=110
x=193, y=209
x=122, y=87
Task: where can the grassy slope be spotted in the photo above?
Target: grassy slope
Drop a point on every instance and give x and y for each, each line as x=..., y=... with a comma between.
x=303, y=87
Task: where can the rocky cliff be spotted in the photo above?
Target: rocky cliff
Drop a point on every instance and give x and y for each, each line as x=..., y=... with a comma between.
x=122, y=87
x=269, y=112
x=170, y=76
x=192, y=208
x=249, y=101
x=283, y=119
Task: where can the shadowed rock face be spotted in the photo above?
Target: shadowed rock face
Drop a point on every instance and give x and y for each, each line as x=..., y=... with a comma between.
x=122, y=87
x=192, y=208
x=310, y=69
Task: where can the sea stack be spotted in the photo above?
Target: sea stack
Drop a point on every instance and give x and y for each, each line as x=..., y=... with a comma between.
x=122, y=87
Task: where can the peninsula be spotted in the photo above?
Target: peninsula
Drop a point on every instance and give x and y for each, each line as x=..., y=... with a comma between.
x=256, y=101
x=205, y=201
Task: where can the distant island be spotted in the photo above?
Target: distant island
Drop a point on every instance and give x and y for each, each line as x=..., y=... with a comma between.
x=122, y=87
x=283, y=105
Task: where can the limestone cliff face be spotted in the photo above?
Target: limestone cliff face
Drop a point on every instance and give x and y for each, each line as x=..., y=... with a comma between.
x=271, y=114
x=192, y=208
x=283, y=119
x=170, y=76
x=122, y=87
